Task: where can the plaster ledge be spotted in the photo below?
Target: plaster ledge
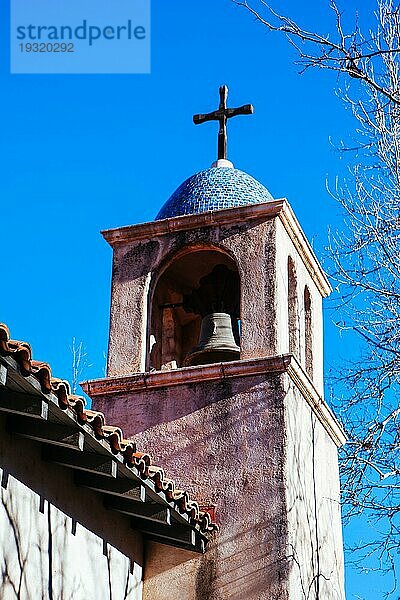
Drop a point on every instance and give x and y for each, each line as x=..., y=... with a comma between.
x=284, y=363
x=239, y=214
x=173, y=377
x=320, y=408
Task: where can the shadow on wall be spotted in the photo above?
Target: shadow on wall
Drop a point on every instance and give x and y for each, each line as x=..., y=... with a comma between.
x=43, y=557
x=242, y=566
x=200, y=414
x=313, y=507
x=256, y=451
x=231, y=450
x=161, y=406
x=57, y=541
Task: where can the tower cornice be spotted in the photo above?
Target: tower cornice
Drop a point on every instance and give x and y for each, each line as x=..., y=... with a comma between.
x=285, y=363
x=275, y=208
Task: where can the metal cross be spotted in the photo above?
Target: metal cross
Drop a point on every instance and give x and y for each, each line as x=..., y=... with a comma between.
x=222, y=115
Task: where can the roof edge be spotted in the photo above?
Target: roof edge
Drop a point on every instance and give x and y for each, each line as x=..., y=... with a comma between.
x=274, y=208
x=131, y=233
x=31, y=392
x=318, y=405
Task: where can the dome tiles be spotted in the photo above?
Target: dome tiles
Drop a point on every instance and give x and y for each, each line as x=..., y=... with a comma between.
x=214, y=189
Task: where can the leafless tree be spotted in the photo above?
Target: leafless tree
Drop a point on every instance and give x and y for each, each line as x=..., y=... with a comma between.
x=365, y=257
x=79, y=363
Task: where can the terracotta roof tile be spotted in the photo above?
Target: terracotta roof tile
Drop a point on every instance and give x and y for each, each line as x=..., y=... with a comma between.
x=21, y=352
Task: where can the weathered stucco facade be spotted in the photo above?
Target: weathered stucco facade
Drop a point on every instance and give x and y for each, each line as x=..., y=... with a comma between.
x=57, y=541
x=77, y=499
x=253, y=437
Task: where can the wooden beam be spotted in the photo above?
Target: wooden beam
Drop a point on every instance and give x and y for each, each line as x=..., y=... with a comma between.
x=148, y=511
x=18, y=403
x=174, y=534
x=47, y=432
x=90, y=462
x=199, y=546
x=3, y=375
x=127, y=488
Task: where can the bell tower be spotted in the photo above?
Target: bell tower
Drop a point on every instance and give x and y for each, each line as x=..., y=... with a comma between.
x=215, y=364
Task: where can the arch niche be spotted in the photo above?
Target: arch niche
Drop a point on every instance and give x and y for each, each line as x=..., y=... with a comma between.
x=173, y=330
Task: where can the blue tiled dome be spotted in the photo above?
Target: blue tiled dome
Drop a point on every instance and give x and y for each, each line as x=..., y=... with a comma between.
x=213, y=189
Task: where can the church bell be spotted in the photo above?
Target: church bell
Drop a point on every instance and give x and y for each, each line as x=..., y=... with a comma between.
x=217, y=301
x=216, y=343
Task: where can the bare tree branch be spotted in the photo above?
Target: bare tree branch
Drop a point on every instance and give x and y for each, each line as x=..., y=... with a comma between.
x=350, y=53
x=79, y=363
x=364, y=260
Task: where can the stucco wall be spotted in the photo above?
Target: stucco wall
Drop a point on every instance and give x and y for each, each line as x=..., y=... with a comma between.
x=223, y=441
x=313, y=504
x=284, y=249
x=246, y=444
x=136, y=265
x=252, y=447
x=57, y=541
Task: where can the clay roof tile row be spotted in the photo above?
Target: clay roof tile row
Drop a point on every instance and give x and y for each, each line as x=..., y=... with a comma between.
x=126, y=448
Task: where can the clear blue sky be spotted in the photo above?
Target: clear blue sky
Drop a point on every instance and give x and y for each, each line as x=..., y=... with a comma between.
x=81, y=153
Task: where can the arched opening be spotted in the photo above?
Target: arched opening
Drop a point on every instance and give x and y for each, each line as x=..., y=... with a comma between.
x=292, y=308
x=308, y=332
x=196, y=296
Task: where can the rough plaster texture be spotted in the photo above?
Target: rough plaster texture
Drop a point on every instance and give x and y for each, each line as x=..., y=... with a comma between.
x=249, y=444
x=233, y=444
x=57, y=541
x=260, y=247
x=313, y=504
x=285, y=248
x=137, y=266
